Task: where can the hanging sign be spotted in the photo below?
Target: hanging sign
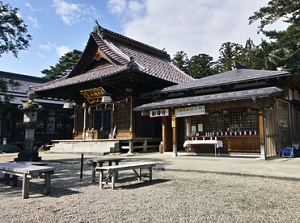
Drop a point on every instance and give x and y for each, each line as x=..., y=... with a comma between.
x=159, y=113
x=190, y=111
x=173, y=121
x=93, y=95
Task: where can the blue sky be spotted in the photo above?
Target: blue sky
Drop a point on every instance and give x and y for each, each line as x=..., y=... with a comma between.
x=193, y=26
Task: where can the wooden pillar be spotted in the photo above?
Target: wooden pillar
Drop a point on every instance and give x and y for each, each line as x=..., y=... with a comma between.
x=262, y=135
x=131, y=129
x=113, y=129
x=187, y=126
x=75, y=123
x=84, y=121
x=174, y=135
x=163, y=137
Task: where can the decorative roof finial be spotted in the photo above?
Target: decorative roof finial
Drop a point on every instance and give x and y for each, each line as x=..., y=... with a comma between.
x=98, y=29
x=132, y=64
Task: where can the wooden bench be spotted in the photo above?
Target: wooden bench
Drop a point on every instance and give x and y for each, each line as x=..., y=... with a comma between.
x=101, y=161
x=26, y=170
x=112, y=172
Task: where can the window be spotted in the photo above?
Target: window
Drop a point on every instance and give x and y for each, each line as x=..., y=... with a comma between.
x=283, y=115
x=231, y=121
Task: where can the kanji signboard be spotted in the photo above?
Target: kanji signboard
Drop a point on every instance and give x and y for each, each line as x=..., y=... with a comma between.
x=159, y=113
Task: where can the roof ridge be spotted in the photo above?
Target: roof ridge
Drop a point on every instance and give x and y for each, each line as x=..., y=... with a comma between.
x=103, y=32
x=116, y=50
x=108, y=49
x=119, y=52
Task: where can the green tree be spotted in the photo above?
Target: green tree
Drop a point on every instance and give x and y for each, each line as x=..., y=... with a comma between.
x=13, y=31
x=287, y=10
x=13, y=38
x=258, y=57
x=229, y=52
x=200, y=65
x=180, y=60
x=5, y=96
x=285, y=44
x=64, y=66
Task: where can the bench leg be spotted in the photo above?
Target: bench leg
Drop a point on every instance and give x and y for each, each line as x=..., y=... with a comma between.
x=150, y=173
x=117, y=175
x=113, y=179
x=138, y=174
x=101, y=179
x=94, y=172
x=47, y=183
x=25, y=186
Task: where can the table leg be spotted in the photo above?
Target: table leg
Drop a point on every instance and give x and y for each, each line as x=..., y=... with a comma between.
x=81, y=166
x=47, y=183
x=25, y=186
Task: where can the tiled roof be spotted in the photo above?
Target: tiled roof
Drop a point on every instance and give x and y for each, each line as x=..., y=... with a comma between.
x=25, y=80
x=150, y=60
x=121, y=51
x=211, y=98
x=91, y=75
x=226, y=78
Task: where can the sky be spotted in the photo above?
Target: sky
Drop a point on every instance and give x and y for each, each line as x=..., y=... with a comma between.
x=192, y=26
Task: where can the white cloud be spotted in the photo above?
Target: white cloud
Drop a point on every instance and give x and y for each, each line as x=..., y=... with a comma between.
x=72, y=13
x=34, y=21
x=19, y=15
x=116, y=6
x=29, y=6
x=47, y=47
x=62, y=50
x=198, y=26
x=41, y=55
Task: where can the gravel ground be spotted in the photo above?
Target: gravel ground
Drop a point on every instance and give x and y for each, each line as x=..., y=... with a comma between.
x=171, y=197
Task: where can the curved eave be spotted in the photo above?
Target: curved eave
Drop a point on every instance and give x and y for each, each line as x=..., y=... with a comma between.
x=89, y=76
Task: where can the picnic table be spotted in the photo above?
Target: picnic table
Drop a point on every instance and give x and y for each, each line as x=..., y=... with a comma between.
x=26, y=170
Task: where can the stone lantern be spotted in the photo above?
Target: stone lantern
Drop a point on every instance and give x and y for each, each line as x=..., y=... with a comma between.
x=30, y=109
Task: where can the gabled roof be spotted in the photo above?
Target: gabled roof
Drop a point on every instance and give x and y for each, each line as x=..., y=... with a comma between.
x=237, y=76
x=120, y=53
